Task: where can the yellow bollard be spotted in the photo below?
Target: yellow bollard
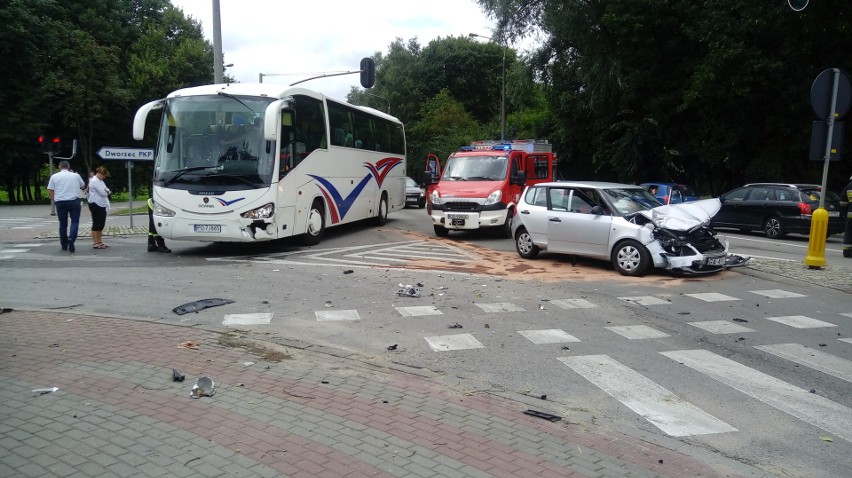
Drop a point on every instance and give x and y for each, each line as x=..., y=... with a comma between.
x=816, y=244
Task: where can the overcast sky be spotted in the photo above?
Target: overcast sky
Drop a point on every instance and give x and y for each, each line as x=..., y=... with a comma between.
x=306, y=38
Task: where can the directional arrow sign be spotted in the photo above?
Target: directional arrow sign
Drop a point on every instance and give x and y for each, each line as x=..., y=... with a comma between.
x=126, y=154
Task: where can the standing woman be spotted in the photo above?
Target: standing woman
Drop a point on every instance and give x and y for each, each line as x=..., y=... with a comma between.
x=98, y=206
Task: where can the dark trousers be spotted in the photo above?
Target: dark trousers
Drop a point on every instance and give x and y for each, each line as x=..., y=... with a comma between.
x=99, y=215
x=64, y=210
x=154, y=239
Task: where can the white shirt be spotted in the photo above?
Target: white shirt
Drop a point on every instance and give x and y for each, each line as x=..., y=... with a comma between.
x=98, y=192
x=65, y=185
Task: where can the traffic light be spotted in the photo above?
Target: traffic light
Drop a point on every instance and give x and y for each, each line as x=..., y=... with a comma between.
x=368, y=72
x=49, y=145
x=55, y=145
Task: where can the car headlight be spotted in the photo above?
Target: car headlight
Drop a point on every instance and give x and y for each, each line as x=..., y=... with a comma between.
x=263, y=212
x=160, y=210
x=494, y=197
x=436, y=198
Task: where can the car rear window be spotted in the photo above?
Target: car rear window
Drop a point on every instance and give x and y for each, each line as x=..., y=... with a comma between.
x=813, y=194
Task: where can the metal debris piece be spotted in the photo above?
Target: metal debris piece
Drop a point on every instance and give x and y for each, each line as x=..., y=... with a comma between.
x=455, y=325
x=177, y=376
x=408, y=291
x=204, y=387
x=737, y=319
x=392, y=347
x=348, y=271
x=44, y=391
x=200, y=305
x=546, y=416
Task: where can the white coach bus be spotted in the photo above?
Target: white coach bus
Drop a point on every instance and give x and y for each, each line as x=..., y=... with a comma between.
x=253, y=162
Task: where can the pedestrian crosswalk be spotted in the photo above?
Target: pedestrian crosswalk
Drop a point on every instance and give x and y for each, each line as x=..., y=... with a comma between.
x=11, y=252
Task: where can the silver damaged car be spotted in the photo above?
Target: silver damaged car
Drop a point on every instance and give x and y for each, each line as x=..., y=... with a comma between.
x=621, y=223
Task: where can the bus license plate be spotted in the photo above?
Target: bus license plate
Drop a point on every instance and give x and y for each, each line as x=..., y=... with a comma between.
x=716, y=261
x=208, y=228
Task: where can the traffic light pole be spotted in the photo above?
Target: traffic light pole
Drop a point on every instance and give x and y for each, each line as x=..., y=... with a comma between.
x=50, y=173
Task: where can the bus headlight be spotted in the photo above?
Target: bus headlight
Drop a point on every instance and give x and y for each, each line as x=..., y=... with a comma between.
x=160, y=210
x=494, y=197
x=263, y=212
x=436, y=198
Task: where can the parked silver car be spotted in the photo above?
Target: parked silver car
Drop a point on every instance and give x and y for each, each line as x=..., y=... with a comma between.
x=621, y=223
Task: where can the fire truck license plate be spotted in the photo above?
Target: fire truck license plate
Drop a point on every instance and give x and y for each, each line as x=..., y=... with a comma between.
x=208, y=228
x=456, y=217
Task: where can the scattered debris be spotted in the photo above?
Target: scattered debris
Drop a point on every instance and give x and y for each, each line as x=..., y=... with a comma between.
x=44, y=391
x=420, y=284
x=177, y=376
x=812, y=390
x=408, y=291
x=823, y=345
x=204, y=387
x=455, y=325
x=565, y=347
x=189, y=344
x=348, y=271
x=737, y=319
x=487, y=326
x=543, y=396
x=826, y=438
x=683, y=313
x=6, y=310
x=660, y=460
x=740, y=339
x=392, y=347
x=324, y=381
x=200, y=305
x=248, y=364
x=328, y=304
x=546, y=416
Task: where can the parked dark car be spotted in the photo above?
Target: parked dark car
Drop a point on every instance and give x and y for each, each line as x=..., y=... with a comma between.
x=671, y=193
x=414, y=194
x=777, y=209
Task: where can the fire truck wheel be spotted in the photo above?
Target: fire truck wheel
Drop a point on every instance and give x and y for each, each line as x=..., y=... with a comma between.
x=441, y=231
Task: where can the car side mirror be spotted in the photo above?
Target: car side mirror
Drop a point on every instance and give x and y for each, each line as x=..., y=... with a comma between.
x=597, y=210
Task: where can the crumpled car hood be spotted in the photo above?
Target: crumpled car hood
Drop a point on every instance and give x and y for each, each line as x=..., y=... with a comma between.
x=683, y=216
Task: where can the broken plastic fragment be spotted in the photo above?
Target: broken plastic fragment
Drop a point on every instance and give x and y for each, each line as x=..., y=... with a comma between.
x=455, y=325
x=408, y=291
x=546, y=416
x=204, y=387
x=392, y=347
x=200, y=305
x=43, y=391
x=177, y=376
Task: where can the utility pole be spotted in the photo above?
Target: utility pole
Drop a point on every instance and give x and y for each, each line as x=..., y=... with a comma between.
x=218, y=69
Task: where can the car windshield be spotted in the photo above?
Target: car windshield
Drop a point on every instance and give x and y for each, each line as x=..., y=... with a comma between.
x=476, y=168
x=629, y=200
x=686, y=190
x=410, y=183
x=214, y=140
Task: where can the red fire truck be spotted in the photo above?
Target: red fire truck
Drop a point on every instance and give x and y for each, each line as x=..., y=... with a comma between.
x=480, y=184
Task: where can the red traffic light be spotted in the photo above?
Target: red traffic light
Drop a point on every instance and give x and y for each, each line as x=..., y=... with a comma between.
x=41, y=139
x=56, y=141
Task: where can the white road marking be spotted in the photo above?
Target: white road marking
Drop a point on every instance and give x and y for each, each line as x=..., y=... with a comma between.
x=260, y=318
x=499, y=307
x=573, y=303
x=848, y=340
x=777, y=293
x=801, y=322
x=418, y=310
x=548, y=336
x=711, y=297
x=721, y=327
x=662, y=408
x=444, y=343
x=633, y=332
x=13, y=251
x=801, y=404
x=815, y=359
x=646, y=300
x=336, y=315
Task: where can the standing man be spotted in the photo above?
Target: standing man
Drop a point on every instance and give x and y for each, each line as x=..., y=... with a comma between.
x=846, y=196
x=64, y=188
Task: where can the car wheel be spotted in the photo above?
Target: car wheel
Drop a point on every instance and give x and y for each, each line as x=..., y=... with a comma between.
x=774, y=228
x=382, y=217
x=524, y=244
x=441, y=231
x=506, y=229
x=630, y=258
x=316, y=224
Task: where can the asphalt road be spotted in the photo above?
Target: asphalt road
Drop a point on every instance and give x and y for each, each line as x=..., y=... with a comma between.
x=751, y=364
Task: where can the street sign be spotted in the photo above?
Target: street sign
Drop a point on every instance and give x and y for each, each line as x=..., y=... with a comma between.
x=125, y=154
x=824, y=90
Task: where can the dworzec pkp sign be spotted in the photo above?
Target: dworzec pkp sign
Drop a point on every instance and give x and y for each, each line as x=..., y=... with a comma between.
x=126, y=154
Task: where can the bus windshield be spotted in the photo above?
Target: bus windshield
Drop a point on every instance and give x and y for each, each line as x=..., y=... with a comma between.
x=476, y=168
x=214, y=140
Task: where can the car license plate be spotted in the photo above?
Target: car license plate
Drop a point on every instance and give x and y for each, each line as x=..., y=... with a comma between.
x=833, y=213
x=716, y=261
x=206, y=228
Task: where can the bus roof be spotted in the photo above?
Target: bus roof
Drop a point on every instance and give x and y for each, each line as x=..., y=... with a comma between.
x=269, y=90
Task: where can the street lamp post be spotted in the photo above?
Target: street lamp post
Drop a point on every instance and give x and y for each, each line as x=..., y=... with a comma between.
x=502, y=88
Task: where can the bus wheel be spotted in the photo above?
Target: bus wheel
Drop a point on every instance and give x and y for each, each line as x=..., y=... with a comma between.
x=316, y=224
x=382, y=218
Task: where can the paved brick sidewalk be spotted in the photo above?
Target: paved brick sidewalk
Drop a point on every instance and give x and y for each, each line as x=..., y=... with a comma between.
x=276, y=412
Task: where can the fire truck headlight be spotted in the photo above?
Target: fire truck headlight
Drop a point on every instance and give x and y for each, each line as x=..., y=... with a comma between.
x=494, y=197
x=160, y=210
x=264, y=212
x=436, y=198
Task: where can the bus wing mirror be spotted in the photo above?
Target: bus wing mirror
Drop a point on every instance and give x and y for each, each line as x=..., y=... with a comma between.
x=272, y=119
x=142, y=116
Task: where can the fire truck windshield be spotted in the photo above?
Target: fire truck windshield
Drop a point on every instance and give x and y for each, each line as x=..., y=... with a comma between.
x=476, y=168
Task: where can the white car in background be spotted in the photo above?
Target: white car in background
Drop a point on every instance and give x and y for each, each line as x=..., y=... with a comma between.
x=621, y=223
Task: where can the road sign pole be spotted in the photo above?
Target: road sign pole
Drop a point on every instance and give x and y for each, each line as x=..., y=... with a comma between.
x=129, y=166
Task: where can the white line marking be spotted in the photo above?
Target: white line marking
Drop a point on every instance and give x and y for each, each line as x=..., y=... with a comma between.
x=499, y=307
x=777, y=293
x=662, y=408
x=720, y=327
x=815, y=359
x=848, y=341
x=548, y=336
x=573, y=303
x=336, y=315
x=633, y=332
x=711, y=297
x=801, y=322
x=646, y=300
x=260, y=318
x=444, y=343
x=418, y=310
x=809, y=407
